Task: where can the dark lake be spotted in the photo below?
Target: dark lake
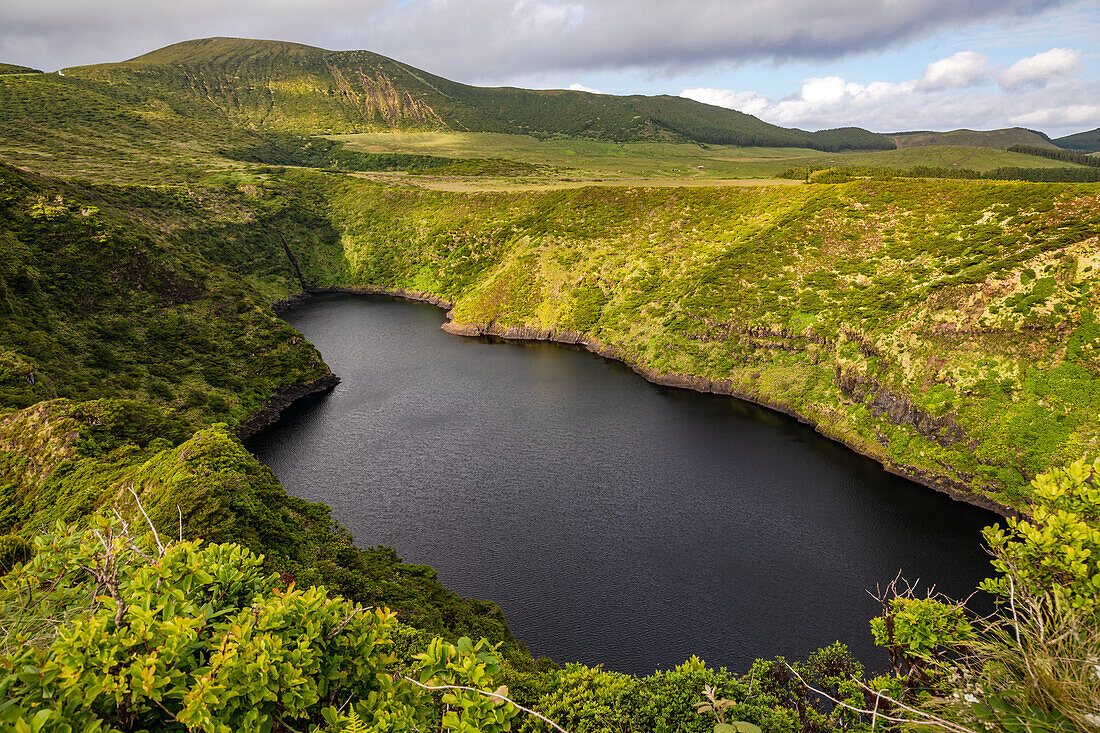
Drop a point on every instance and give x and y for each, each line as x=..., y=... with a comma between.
x=613, y=521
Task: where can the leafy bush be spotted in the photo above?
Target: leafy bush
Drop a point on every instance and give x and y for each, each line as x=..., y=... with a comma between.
x=199, y=636
x=1031, y=666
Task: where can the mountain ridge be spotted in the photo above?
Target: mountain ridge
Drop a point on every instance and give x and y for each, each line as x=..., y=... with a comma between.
x=1000, y=139
x=288, y=86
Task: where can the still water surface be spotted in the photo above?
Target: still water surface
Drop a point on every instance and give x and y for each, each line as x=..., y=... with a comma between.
x=613, y=521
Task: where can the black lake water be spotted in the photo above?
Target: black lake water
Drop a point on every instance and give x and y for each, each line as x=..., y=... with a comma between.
x=613, y=521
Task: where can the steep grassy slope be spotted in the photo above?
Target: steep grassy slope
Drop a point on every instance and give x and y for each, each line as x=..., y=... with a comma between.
x=998, y=139
x=130, y=291
x=291, y=87
x=156, y=301
x=945, y=328
x=62, y=125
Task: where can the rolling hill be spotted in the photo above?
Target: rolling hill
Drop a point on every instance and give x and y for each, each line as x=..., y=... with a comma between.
x=281, y=86
x=999, y=139
x=1085, y=142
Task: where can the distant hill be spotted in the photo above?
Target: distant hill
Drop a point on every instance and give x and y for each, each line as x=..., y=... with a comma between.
x=17, y=69
x=1085, y=142
x=291, y=87
x=999, y=139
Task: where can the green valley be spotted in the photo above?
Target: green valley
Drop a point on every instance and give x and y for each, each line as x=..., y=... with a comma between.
x=156, y=213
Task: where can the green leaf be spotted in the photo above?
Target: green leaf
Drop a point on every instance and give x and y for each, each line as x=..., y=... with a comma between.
x=40, y=719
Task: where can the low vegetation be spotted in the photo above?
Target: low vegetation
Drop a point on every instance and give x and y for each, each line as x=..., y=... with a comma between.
x=843, y=174
x=111, y=627
x=932, y=325
x=318, y=152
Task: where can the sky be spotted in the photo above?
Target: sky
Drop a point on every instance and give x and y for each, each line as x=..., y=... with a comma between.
x=886, y=65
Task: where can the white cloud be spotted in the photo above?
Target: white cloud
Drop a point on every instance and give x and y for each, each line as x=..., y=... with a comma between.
x=578, y=87
x=747, y=102
x=832, y=101
x=1075, y=115
x=963, y=69
x=1041, y=68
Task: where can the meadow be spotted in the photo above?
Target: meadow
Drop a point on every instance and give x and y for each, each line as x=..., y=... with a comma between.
x=595, y=161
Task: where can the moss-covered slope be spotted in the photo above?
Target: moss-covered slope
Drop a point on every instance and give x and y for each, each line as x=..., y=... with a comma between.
x=137, y=337
x=61, y=460
x=945, y=328
x=151, y=293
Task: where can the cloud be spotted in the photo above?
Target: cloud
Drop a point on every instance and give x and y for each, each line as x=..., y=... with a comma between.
x=1074, y=115
x=951, y=101
x=747, y=102
x=1041, y=68
x=473, y=40
x=578, y=87
x=963, y=69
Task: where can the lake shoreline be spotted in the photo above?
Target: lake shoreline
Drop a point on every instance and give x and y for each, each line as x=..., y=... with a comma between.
x=943, y=485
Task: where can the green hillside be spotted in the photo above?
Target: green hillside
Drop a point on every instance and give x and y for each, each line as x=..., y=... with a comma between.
x=999, y=139
x=940, y=327
x=1085, y=142
x=17, y=69
x=829, y=301
x=136, y=337
x=291, y=87
x=77, y=127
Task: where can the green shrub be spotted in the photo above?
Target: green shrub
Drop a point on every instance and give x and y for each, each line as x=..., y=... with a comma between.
x=198, y=636
x=829, y=175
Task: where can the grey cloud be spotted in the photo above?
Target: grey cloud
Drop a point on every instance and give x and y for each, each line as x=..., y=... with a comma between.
x=670, y=36
x=481, y=39
x=53, y=34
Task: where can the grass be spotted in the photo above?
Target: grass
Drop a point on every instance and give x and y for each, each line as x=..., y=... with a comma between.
x=578, y=157
x=588, y=160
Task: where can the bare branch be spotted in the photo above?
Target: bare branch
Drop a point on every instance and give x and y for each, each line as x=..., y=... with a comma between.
x=343, y=624
x=923, y=718
x=110, y=583
x=156, y=536
x=130, y=538
x=514, y=704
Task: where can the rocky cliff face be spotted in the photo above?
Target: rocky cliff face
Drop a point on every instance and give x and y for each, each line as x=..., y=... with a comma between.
x=278, y=403
x=900, y=410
